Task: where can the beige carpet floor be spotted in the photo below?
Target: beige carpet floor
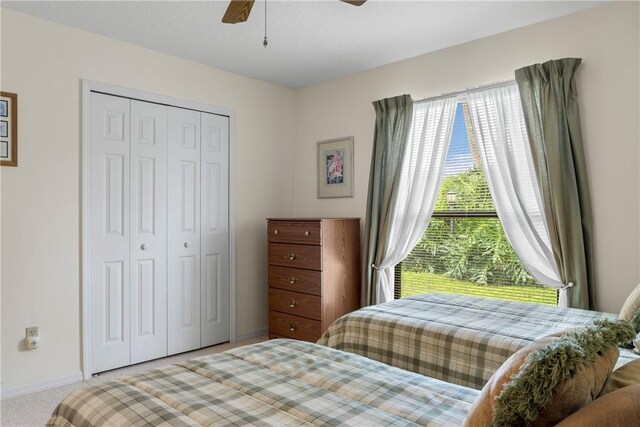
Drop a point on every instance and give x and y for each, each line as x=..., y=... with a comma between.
x=35, y=409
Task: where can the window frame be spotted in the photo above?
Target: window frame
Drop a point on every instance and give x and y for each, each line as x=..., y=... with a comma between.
x=397, y=276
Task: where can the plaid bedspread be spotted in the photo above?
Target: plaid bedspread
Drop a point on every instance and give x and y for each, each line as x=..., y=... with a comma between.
x=279, y=383
x=459, y=339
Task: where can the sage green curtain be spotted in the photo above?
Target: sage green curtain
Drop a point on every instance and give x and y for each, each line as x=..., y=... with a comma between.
x=393, y=120
x=550, y=103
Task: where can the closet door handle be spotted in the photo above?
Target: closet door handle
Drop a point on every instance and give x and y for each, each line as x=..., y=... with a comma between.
x=187, y=243
x=144, y=246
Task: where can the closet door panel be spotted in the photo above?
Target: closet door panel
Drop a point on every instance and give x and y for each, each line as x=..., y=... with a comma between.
x=183, y=230
x=148, y=223
x=109, y=228
x=214, y=230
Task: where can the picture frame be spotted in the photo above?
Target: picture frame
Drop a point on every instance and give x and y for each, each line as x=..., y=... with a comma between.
x=335, y=168
x=8, y=129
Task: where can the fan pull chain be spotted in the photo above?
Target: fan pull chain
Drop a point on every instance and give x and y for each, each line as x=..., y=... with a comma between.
x=265, y=42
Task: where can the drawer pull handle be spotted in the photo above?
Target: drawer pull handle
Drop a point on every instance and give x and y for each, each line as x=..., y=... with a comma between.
x=292, y=280
x=276, y=231
x=306, y=233
x=292, y=256
x=292, y=303
x=293, y=327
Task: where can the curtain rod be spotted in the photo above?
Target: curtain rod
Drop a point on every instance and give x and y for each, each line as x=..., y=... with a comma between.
x=466, y=91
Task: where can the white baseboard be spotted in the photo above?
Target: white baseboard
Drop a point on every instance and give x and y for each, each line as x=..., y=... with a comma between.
x=252, y=334
x=71, y=378
x=76, y=377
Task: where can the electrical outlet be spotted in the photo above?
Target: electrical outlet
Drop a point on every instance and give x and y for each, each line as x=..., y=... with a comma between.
x=32, y=339
x=31, y=343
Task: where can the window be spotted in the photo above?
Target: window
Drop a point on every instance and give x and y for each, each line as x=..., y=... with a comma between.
x=464, y=249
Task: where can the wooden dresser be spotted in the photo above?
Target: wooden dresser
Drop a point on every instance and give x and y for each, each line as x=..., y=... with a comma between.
x=314, y=274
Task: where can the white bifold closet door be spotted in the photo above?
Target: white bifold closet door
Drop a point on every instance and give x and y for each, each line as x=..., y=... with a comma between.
x=214, y=229
x=184, y=230
x=109, y=228
x=148, y=225
x=159, y=244
x=198, y=229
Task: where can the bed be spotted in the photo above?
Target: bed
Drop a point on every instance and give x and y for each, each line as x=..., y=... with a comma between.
x=278, y=382
x=294, y=383
x=458, y=339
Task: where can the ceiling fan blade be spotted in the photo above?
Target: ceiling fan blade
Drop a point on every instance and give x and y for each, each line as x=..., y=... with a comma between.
x=354, y=2
x=238, y=11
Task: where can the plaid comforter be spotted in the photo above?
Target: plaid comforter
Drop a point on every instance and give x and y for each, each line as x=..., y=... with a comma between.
x=459, y=339
x=279, y=382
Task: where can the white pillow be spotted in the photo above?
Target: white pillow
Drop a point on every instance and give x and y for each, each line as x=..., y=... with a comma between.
x=631, y=305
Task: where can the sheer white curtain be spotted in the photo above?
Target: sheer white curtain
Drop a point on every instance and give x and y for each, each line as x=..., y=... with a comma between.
x=422, y=169
x=503, y=144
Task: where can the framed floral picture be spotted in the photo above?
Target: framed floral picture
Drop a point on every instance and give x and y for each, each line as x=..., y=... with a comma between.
x=335, y=168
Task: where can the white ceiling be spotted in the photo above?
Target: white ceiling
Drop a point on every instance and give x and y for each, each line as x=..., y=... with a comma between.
x=309, y=41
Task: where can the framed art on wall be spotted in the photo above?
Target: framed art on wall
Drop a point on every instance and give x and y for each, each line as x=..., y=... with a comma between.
x=335, y=168
x=8, y=129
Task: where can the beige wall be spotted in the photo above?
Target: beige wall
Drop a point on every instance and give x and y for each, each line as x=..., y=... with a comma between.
x=40, y=200
x=44, y=63
x=605, y=37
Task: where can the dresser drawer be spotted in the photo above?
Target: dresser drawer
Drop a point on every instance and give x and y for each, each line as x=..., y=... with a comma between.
x=294, y=326
x=295, y=303
x=295, y=279
x=298, y=256
x=306, y=233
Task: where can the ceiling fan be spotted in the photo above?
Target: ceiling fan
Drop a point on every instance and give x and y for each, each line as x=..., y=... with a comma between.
x=238, y=10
